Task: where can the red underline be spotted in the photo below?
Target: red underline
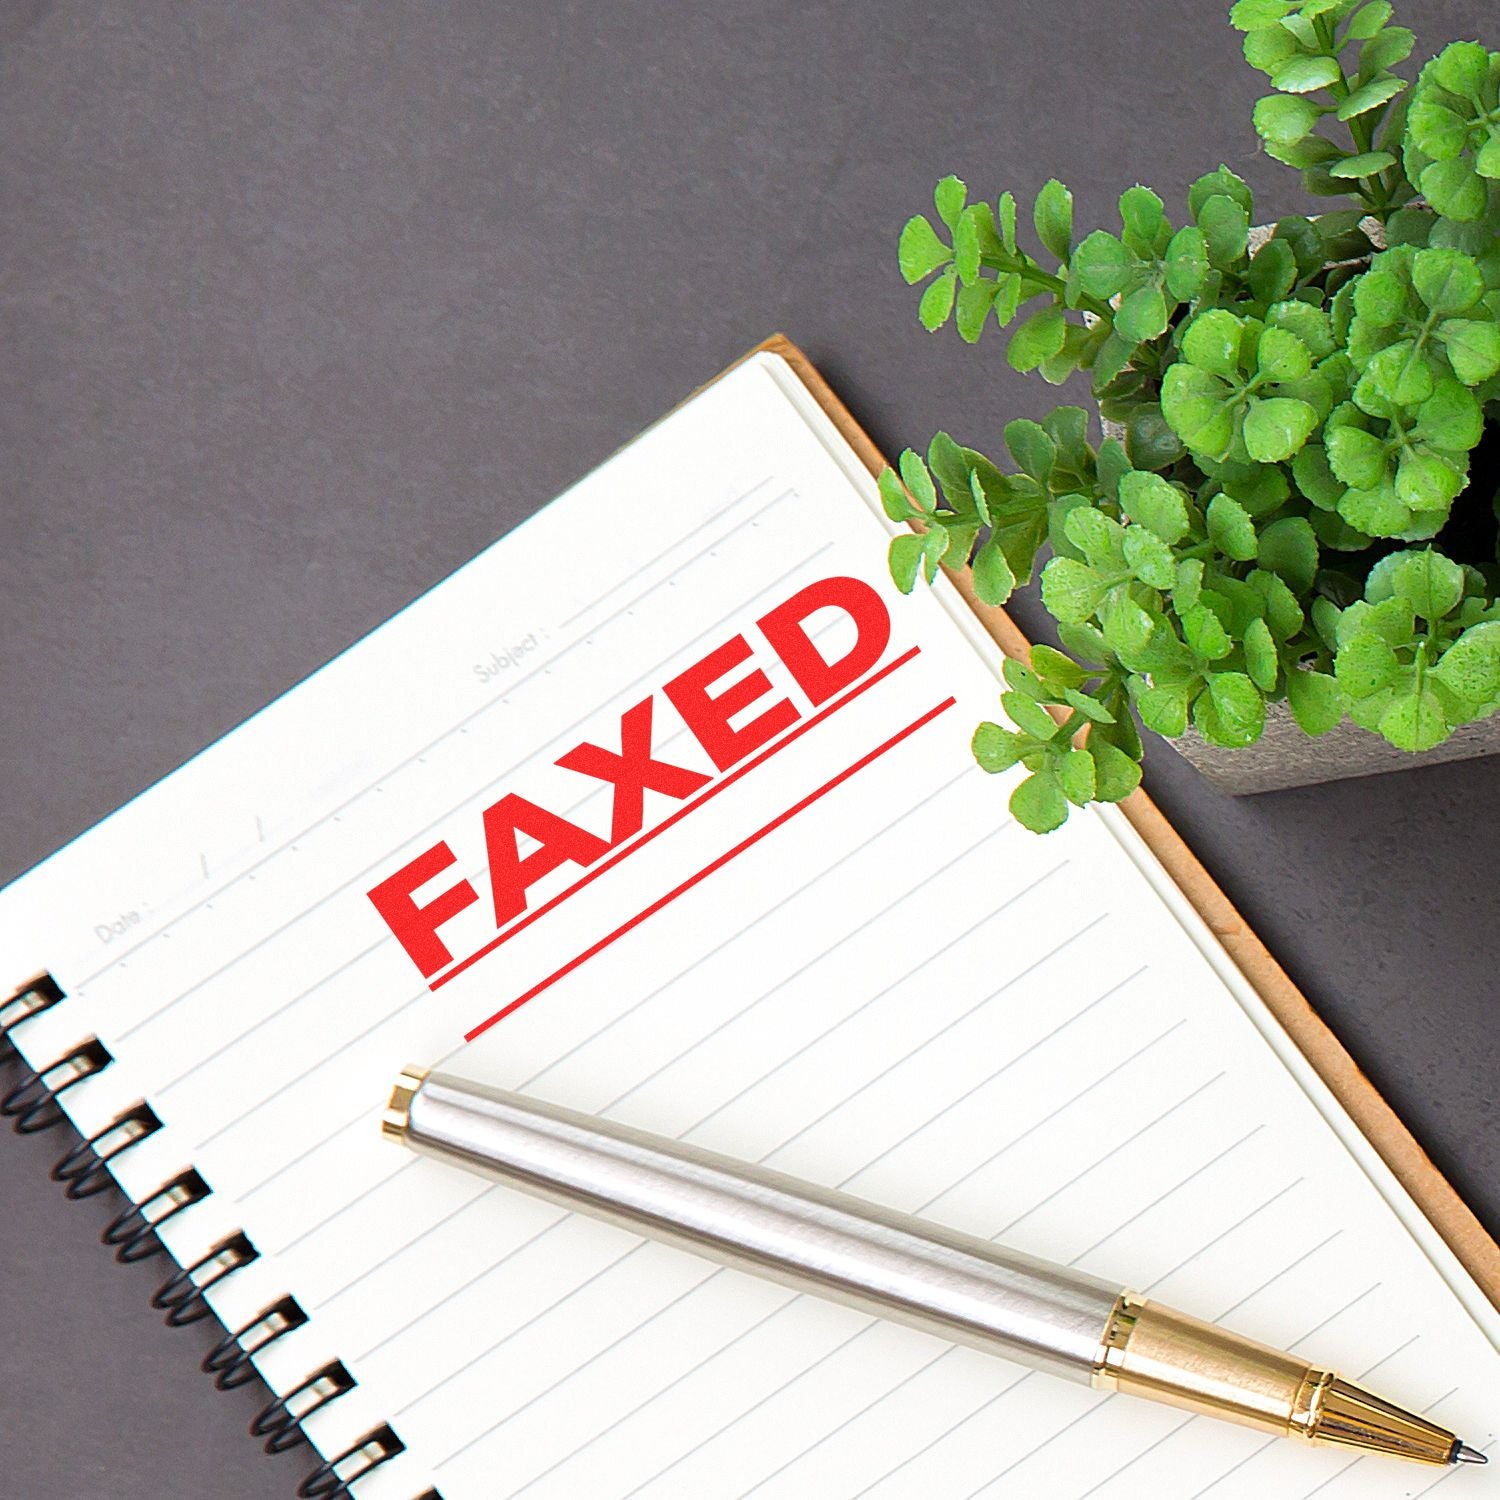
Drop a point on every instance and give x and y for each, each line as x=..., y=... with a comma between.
x=610, y=860
x=709, y=869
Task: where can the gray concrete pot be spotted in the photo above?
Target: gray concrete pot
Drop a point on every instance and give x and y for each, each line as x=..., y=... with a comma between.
x=1284, y=756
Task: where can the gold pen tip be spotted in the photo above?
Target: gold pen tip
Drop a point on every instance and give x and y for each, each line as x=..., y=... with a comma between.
x=397, y=1114
x=1464, y=1454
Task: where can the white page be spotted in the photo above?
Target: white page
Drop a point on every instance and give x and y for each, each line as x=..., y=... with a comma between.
x=892, y=988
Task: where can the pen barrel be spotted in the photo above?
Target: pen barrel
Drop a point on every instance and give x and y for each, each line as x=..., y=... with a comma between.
x=815, y=1240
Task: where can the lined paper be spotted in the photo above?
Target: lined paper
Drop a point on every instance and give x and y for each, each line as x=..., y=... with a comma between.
x=847, y=963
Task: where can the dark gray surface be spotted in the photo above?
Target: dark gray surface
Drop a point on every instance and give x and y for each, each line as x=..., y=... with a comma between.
x=305, y=304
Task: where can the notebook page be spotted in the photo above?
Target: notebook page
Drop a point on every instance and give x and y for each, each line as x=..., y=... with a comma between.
x=843, y=960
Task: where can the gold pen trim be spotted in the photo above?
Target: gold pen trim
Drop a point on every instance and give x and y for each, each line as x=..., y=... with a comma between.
x=397, y=1116
x=1154, y=1351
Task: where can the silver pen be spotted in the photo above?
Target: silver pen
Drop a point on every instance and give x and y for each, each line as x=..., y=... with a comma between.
x=925, y=1275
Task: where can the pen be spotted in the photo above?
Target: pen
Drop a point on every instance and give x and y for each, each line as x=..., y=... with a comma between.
x=954, y=1285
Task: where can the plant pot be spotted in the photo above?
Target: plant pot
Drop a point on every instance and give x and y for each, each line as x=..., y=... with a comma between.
x=1284, y=756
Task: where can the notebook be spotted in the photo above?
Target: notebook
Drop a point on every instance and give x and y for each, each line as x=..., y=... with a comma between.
x=663, y=807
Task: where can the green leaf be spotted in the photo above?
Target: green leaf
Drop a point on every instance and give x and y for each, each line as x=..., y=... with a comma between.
x=1039, y=803
x=1357, y=457
x=1289, y=549
x=1428, y=581
x=1116, y=774
x=1427, y=482
x=1448, y=281
x=997, y=749
x=1029, y=716
x=1186, y=263
x=1273, y=271
x=1189, y=584
x=937, y=301
x=1451, y=417
x=1238, y=706
x=1053, y=217
x=1197, y=405
x=921, y=252
x=1226, y=229
x=905, y=561
x=1251, y=15
x=1276, y=428
x=1037, y=339
x=1371, y=96
x=1366, y=164
x=1470, y=667
x=1126, y=625
x=1142, y=219
x=1462, y=68
x=1393, y=44
x=1100, y=265
x=1031, y=448
x=1142, y=314
x=1282, y=612
x=1415, y=721
x=1006, y=211
x=1150, y=501
x=1454, y=189
x=1164, y=709
x=1075, y=774
x=1071, y=590
x=1302, y=75
x=894, y=499
x=994, y=582
x=949, y=198
x=1365, y=665
x=1232, y=530
x=1473, y=348
x=1285, y=118
x=1205, y=636
x=1315, y=699
x=1261, y=659
x=1056, y=669
x=974, y=304
x=1150, y=442
x=1149, y=558
x=1281, y=355
x=1368, y=20
x=1212, y=343
x=918, y=481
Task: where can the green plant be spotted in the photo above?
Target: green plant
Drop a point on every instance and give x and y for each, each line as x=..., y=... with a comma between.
x=1287, y=506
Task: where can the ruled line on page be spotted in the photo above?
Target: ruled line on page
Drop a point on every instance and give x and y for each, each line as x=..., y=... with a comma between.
x=527, y=759
x=691, y=805
x=768, y=828
x=526, y=1083
x=401, y=765
x=1115, y=1070
x=646, y=567
x=860, y=1009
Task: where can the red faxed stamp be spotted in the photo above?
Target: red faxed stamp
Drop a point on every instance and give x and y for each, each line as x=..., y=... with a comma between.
x=707, y=709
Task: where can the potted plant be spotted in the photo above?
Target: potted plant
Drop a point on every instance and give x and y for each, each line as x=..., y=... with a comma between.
x=1292, y=517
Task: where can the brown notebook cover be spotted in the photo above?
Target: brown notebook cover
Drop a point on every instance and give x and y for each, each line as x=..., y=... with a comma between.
x=1433, y=1194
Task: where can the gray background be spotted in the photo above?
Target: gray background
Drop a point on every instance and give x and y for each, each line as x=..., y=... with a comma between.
x=303, y=305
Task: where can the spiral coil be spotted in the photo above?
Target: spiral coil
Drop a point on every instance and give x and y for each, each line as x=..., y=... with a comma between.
x=85, y=1169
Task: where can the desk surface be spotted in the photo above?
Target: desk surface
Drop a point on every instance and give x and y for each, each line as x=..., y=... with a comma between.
x=304, y=305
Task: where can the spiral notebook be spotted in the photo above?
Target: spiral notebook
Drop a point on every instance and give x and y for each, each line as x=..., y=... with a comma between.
x=663, y=807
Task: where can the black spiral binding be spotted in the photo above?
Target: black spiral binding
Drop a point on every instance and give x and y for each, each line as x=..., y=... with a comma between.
x=84, y=1170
